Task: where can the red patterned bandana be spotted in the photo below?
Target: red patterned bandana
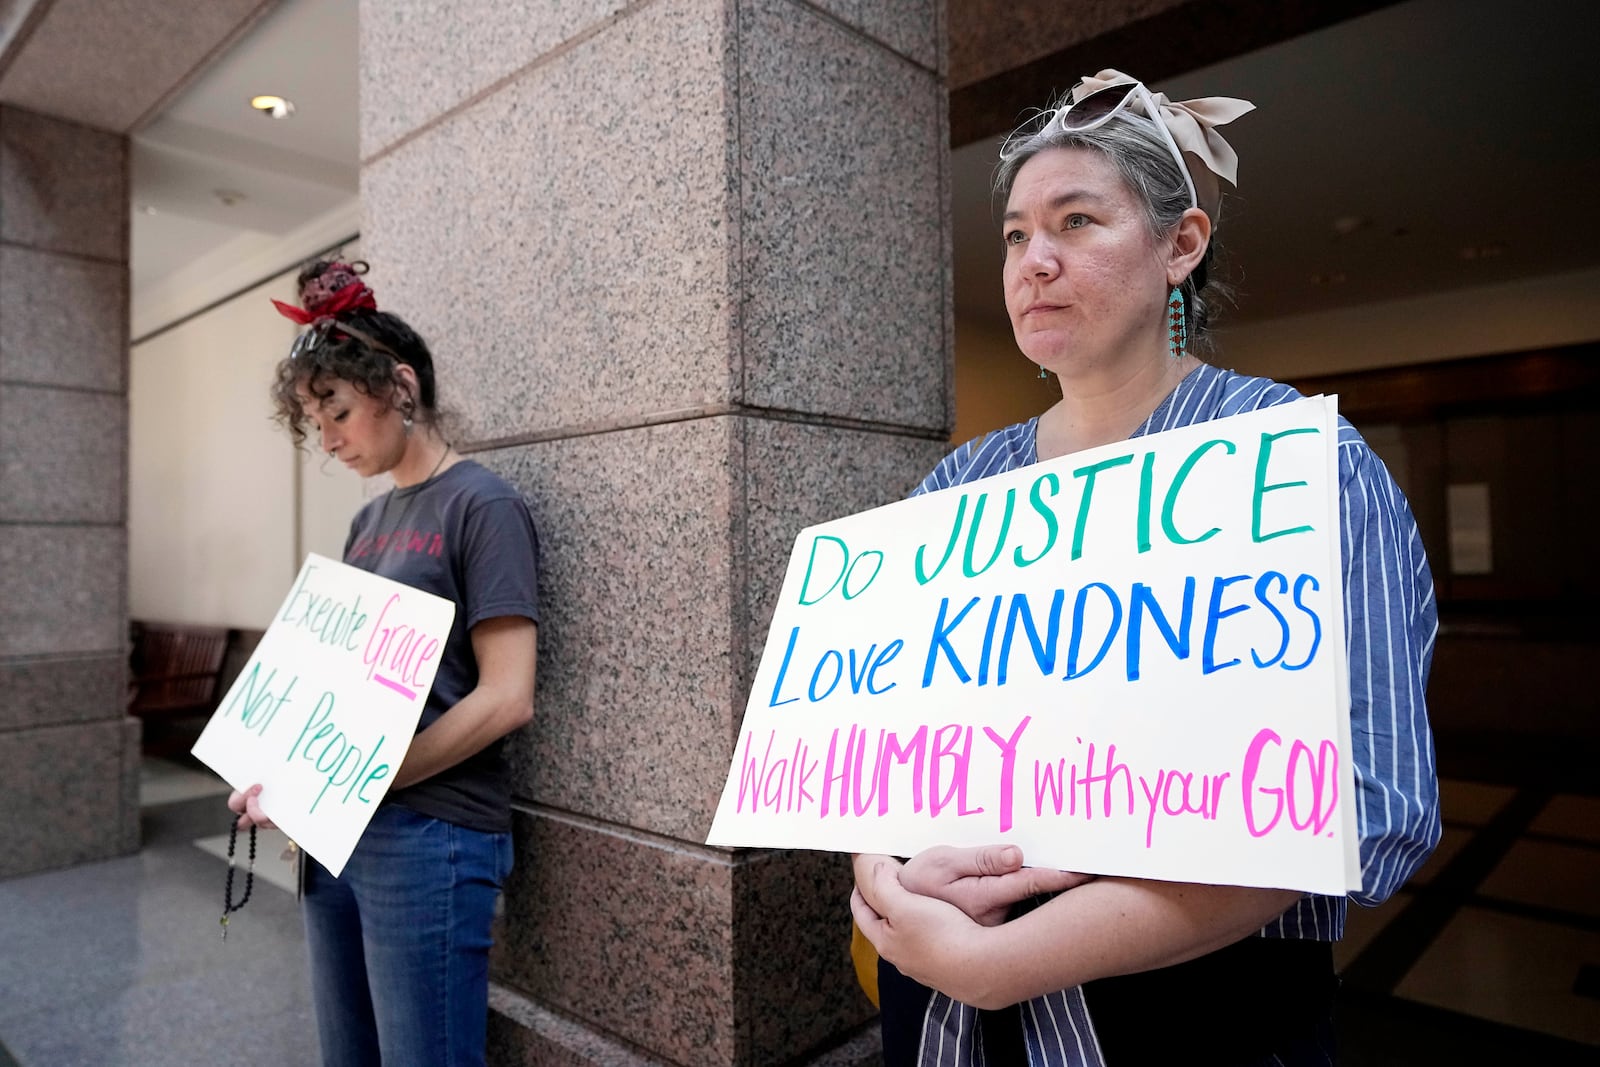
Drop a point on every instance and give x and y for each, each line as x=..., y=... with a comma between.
x=339, y=288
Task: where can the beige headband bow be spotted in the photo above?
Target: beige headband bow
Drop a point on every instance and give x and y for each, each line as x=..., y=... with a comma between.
x=1192, y=124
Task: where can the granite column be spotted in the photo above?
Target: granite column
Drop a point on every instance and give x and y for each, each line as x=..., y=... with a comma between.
x=685, y=267
x=68, y=752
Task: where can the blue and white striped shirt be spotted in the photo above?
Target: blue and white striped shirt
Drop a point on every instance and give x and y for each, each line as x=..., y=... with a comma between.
x=1391, y=623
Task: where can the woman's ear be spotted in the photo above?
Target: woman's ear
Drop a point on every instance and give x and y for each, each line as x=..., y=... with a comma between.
x=1189, y=242
x=408, y=387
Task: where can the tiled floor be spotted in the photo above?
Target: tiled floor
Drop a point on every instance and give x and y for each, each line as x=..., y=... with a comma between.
x=121, y=963
x=1490, y=955
x=1501, y=930
x=1512, y=970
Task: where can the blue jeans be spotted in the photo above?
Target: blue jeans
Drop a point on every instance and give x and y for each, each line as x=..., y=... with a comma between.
x=400, y=942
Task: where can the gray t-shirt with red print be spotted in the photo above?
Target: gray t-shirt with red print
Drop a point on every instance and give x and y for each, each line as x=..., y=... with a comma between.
x=465, y=535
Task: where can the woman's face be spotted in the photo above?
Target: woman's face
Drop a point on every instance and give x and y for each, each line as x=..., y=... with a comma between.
x=363, y=432
x=1085, y=282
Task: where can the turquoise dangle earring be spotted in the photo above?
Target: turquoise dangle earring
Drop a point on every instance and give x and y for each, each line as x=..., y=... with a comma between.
x=1177, y=325
x=1043, y=374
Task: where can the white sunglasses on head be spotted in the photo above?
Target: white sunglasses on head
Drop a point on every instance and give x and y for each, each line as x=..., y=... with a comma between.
x=1096, y=109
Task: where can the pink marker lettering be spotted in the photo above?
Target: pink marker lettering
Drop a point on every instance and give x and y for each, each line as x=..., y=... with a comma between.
x=1008, y=767
x=1323, y=775
x=1247, y=784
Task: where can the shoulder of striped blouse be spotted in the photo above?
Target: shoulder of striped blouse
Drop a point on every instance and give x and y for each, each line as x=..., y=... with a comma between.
x=1243, y=393
x=988, y=453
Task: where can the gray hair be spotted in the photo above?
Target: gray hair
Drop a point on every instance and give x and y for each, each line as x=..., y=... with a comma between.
x=1145, y=163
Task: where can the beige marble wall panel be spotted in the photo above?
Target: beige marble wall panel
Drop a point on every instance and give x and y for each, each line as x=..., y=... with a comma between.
x=63, y=188
x=63, y=320
x=63, y=455
x=58, y=692
x=635, y=701
x=78, y=788
x=843, y=161
x=430, y=58
x=62, y=589
x=564, y=244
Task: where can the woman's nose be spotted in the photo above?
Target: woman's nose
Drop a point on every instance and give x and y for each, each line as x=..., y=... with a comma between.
x=1040, y=259
x=330, y=442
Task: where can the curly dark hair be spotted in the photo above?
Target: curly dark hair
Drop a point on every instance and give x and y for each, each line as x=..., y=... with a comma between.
x=366, y=355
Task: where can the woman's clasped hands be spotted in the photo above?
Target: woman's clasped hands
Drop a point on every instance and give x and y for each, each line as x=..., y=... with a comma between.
x=933, y=915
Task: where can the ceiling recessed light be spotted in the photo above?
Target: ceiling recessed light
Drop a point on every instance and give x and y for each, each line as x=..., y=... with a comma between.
x=275, y=106
x=1346, y=225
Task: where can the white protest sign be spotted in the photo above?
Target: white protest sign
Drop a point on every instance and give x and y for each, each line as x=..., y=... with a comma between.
x=1126, y=661
x=323, y=713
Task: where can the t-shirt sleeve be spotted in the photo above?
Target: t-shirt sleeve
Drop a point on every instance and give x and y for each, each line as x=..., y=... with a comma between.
x=1392, y=622
x=500, y=561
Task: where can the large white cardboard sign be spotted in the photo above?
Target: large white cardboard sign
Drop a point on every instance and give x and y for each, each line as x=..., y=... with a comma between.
x=325, y=709
x=1126, y=661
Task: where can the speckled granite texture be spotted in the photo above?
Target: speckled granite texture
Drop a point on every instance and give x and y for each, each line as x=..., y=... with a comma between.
x=57, y=692
x=698, y=957
x=636, y=640
x=63, y=455
x=68, y=754
x=794, y=984
x=709, y=305
x=844, y=238
x=803, y=267
x=592, y=197
x=523, y=1031
x=797, y=475
x=432, y=57
x=62, y=589
x=647, y=642
x=990, y=38
x=914, y=28
x=63, y=188
x=632, y=935
x=63, y=320
x=76, y=785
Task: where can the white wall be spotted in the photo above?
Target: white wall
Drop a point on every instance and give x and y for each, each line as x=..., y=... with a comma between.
x=215, y=533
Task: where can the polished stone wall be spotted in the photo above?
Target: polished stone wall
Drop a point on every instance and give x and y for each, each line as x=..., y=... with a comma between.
x=68, y=754
x=685, y=265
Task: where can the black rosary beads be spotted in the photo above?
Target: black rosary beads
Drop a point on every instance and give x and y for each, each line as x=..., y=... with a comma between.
x=228, y=906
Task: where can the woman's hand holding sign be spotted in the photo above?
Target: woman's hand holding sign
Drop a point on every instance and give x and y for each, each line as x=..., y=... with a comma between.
x=247, y=805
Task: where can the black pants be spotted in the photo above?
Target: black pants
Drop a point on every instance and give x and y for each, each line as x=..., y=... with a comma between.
x=1239, y=1006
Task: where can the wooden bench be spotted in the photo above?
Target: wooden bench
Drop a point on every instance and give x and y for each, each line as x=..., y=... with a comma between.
x=175, y=669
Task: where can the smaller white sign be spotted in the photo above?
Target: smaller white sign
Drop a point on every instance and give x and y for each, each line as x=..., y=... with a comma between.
x=323, y=713
x=1471, y=533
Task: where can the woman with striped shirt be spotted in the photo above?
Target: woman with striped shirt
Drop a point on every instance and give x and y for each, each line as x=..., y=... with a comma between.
x=1111, y=200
